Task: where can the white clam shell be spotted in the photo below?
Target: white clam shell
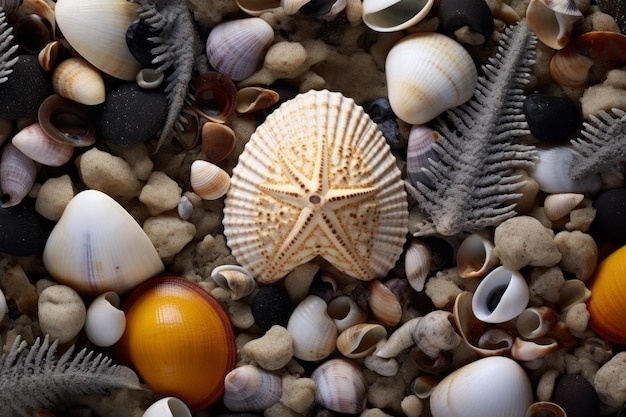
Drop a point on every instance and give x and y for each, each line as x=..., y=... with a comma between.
x=394, y=15
x=168, y=407
x=559, y=205
x=428, y=73
x=76, y=79
x=236, y=47
x=96, y=246
x=340, y=386
x=313, y=331
x=208, y=180
x=96, y=29
x=105, y=322
x=248, y=388
x=360, y=340
x=490, y=387
x=553, y=21
x=475, y=256
x=551, y=171
x=511, y=289
x=17, y=175
x=235, y=279
x=417, y=263
x=345, y=312
x=38, y=146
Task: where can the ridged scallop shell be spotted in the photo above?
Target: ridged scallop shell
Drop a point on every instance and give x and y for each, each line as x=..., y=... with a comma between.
x=318, y=178
x=77, y=80
x=93, y=259
x=96, y=29
x=501, y=296
x=236, y=47
x=553, y=21
x=208, y=180
x=427, y=74
x=248, y=388
x=17, y=175
x=490, y=387
x=394, y=15
x=39, y=147
x=314, y=333
x=340, y=386
x=105, y=322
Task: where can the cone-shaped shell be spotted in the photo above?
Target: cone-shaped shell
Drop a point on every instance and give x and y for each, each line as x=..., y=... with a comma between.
x=77, y=80
x=607, y=305
x=96, y=246
x=428, y=73
x=96, y=29
x=317, y=178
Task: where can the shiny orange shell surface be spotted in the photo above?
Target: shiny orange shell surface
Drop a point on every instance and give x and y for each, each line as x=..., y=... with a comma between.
x=179, y=339
x=607, y=305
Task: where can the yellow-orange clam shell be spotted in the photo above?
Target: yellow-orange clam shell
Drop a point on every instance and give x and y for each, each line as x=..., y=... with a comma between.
x=607, y=305
x=179, y=339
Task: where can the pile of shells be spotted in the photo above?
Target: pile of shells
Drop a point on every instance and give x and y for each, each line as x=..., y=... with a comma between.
x=267, y=261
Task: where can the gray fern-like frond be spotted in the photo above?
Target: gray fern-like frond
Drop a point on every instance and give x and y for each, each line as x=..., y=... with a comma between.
x=603, y=145
x=35, y=377
x=7, y=49
x=474, y=180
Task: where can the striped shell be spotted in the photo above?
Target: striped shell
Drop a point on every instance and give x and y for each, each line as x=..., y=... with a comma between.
x=316, y=178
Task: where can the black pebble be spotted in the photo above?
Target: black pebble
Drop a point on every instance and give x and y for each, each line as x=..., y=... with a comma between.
x=551, y=119
x=379, y=110
x=23, y=231
x=454, y=14
x=26, y=87
x=271, y=306
x=576, y=396
x=610, y=214
x=131, y=115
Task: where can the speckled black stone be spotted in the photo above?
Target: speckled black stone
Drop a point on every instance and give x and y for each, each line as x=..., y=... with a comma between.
x=454, y=14
x=271, y=306
x=27, y=86
x=23, y=231
x=610, y=220
x=615, y=8
x=576, y=396
x=131, y=115
x=551, y=119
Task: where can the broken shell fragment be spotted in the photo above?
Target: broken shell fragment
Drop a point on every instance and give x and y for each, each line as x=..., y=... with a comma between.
x=17, y=175
x=105, y=322
x=76, y=79
x=248, y=388
x=340, y=386
x=572, y=292
x=401, y=339
x=149, y=78
x=475, y=256
x=501, y=296
x=253, y=99
x=394, y=15
x=360, y=340
x=553, y=21
x=39, y=147
x=545, y=409
x=234, y=278
x=208, y=180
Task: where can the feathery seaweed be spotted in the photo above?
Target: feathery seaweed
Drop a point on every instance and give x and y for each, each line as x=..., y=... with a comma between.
x=6, y=48
x=474, y=180
x=35, y=378
x=603, y=147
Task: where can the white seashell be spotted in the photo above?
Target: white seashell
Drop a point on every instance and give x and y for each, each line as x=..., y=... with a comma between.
x=530, y=350
x=428, y=73
x=96, y=29
x=551, y=171
x=490, y=387
x=536, y=322
x=167, y=407
x=400, y=339
x=501, y=296
x=83, y=254
x=17, y=174
x=340, y=386
x=345, y=312
x=475, y=256
x=360, y=340
x=235, y=279
x=314, y=333
x=149, y=78
x=235, y=48
x=417, y=263
x=248, y=388
x=40, y=147
x=553, y=21
x=420, y=153
x=76, y=79
x=394, y=15
x=257, y=7
x=105, y=322
x=208, y=180
x=4, y=308
x=559, y=205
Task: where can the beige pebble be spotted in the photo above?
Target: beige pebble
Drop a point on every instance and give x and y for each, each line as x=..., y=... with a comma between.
x=441, y=290
x=544, y=284
x=605, y=96
x=298, y=393
x=522, y=241
x=110, y=174
x=161, y=193
x=610, y=381
x=168, y=234
x=239, y=312
x=576, y=318
x=138, y=157
x=374, y=412
x=18, y=288
x=387, y=393
x=579, y=253
x=273, y=350
x=298, y=281
x=412, y=406
x=61, y=312
x=53, y=196
x=280, y=410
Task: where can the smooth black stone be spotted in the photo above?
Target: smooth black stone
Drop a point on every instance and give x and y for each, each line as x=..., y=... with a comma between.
x=551, y=119
x=23, y=231
x=576, y=396
x=271, y=306
x=454, y=14
x=317, y=7
x=138, y=44
x=379, y=110
x=26, y=87
x=609, y=222
x=131, y=115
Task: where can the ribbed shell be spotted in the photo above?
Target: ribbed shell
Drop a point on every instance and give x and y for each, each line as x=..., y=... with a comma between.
x=316, y=178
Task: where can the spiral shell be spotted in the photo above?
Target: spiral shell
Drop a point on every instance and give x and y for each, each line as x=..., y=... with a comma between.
x=105, y=322
x=553, y=21
x=360, y=340
x=501, y=296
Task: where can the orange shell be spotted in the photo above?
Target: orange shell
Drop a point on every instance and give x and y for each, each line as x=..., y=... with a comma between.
x=607, y=305
x=179, y=339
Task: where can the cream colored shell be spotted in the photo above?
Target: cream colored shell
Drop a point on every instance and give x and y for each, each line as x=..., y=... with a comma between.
x=316, y=179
